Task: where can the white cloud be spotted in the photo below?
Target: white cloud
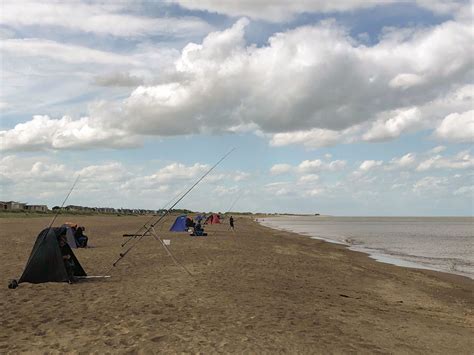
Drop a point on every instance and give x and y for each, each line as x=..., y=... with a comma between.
x=310, y=178
x=404, y=162
x=458, y=128
x=429, y=183
x=106, y=173
x=462, y=160
x=406, y=80
x=240, y=176
x=307, y=86
x=43, y=179
x=34, y=47
x=437, y=149
x=401, y=121
x=317, y=165
x=44, y=132
x=308, y=168
x=285, y=10
x=316, y=191
x=313, y=138
x=117, y=79
x=278, y=169
x=370, y=164
x=177, y=171
x=280, y=188
x=99, y=18
x=311, y=165
x=467, y=191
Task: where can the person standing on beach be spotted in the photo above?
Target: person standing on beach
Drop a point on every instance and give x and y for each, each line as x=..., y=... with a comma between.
x=231, y=222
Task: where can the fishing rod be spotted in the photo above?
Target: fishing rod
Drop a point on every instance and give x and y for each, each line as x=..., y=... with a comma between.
x=137, y=233
x=122, y=255
x=67, y=196
x=14, y=283
x=233, y=204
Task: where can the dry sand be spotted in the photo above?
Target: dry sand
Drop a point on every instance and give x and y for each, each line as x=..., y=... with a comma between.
x=255, y=291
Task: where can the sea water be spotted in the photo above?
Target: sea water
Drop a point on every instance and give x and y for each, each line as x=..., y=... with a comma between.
x=436, y=243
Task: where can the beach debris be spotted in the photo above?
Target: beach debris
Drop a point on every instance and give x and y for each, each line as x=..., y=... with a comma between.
x=346, y=296
x=12, y=284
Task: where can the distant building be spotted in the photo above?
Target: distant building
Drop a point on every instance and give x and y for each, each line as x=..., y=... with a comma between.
x=73, y=208
x=14, y=206
x=36, y=208
x=106, y=210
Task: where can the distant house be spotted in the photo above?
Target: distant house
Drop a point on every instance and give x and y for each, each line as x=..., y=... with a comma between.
x=106, y=210
x=3, y=205
x=14, y=206
x=36, y=208
x=74, y=208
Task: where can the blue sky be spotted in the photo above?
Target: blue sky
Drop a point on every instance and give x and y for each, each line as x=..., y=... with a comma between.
x=342, y=108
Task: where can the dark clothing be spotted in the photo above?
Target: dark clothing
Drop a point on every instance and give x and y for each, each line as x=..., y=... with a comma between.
x=231, y=221
x=81, y=239
x=68, y=263
x=189, y=223
x=64, y=249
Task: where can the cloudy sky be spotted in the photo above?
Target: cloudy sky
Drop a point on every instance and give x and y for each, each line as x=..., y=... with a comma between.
x=350, y=107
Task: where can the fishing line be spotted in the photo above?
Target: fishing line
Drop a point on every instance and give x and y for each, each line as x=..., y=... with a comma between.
x=149, y=228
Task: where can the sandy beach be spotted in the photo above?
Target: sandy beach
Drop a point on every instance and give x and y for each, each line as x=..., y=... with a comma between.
x=253, y=291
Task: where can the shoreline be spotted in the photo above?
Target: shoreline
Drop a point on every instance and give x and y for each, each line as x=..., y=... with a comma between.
x=374, y=254
x=257, y=290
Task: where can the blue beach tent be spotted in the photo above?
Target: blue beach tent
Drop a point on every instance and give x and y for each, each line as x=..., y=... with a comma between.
x=179, y=224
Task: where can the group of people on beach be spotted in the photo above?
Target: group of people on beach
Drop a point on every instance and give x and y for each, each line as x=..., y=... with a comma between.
x=195, y=228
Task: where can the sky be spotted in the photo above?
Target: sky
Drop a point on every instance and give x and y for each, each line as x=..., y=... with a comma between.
x=342, y=108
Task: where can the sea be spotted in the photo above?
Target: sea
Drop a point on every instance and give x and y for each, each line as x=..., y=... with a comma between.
x=436, y=243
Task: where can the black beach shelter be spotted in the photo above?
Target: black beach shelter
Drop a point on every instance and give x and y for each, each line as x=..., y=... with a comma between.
x=45, y=263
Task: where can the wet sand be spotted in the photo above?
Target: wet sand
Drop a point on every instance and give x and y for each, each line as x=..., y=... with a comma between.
x=254, y=291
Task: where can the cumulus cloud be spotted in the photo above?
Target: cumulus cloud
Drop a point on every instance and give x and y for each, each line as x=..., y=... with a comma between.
x=313, y=138
x=95, y=17
x=44, y=132
x=462, y=160
x=107, y=183
x=404, y=162
x=278, y=169
x=307, y=168
x=308, y=178
x=369, y=165
x=401, y=121
x=280, y=188
x=307, y=86
x=317, y=165
x=458, y=128
x=105, y=173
